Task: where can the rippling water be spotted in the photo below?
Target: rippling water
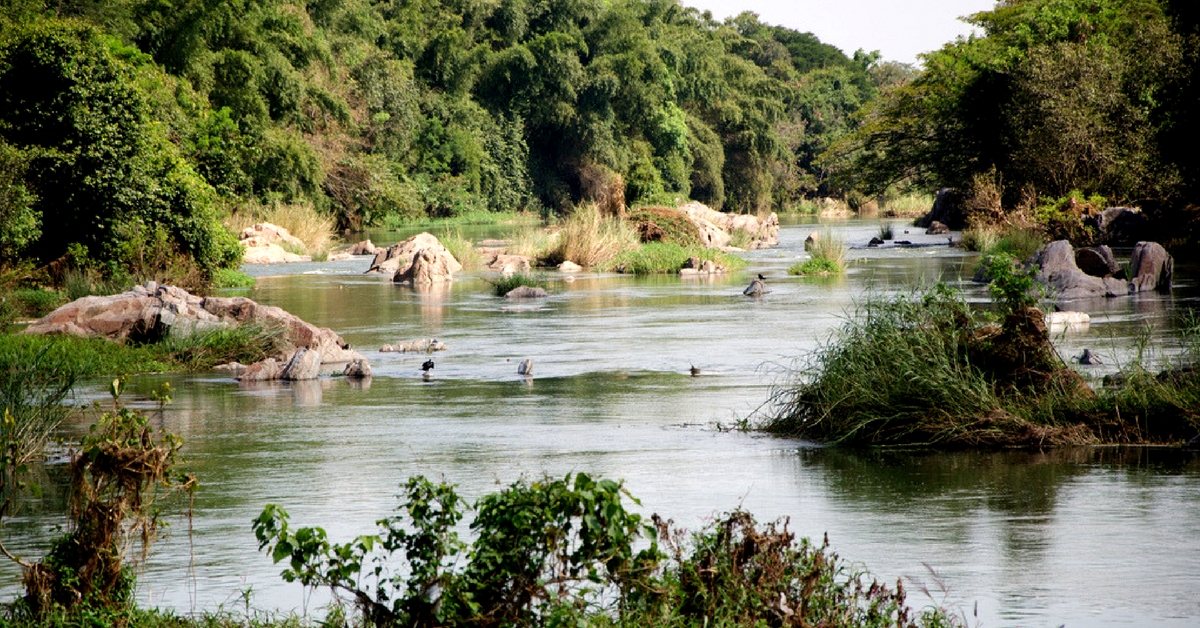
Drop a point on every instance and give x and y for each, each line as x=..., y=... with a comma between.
x=1078, y=537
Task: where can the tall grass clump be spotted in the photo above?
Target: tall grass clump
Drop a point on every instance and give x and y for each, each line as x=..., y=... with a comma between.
x=589, y=238
x=907, y=205
x=827, y=254
x=895, y=373
x=533, y=241
x=462, y=249
x=664, y=257
x=313, y=228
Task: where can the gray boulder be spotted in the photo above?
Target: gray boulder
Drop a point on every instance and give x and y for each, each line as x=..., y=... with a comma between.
x=937, y=228
x=1057, y=269
x=1097, y=262
x=527, y=292
x=1119, y=226
x=1151, y=267
x=947, y=209
x=305, y=364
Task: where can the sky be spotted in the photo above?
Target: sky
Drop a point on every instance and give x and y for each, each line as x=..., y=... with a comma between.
x=899, y=29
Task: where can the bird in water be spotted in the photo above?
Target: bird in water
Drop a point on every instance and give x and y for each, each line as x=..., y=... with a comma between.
x=427, y=366
x=525, y=368
x=756, y=287
x=695, y=371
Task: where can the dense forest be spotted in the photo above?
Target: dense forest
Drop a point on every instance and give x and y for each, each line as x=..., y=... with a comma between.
x=132, y=127
x=139, y=121
x=1057, y=99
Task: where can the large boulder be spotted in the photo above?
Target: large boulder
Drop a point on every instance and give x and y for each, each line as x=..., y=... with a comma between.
x=399, y=256
x=947, y=209
x=264, y=245
x=151, y=311
x=764, y=232
x=1151, y=267
x=429, y=266
x=305, y=364
x=1057, y=269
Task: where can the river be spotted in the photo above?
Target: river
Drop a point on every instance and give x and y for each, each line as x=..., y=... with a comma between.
x=1076, y=537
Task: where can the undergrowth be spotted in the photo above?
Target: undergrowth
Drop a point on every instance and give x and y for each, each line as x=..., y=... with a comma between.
x=663, y=257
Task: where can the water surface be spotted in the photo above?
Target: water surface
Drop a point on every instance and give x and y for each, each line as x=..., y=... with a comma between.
x=1104, y=537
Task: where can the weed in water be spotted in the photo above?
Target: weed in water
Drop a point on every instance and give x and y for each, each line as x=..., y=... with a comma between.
x=815, y=266
x=508, y=283
x=462, y=249
x=661, y=257
x=589, y=238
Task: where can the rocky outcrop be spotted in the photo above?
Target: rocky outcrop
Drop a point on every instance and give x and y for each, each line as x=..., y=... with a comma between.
x=424, y=345
x=399, y=257
x=508, y=264
x=151, y=311
x=364, y=247
x=716, y=226
x=357, y=369
x=570, y=267
x=264, y=245
x=695, y=266
x=1151, y=268
x=811, y=240
x=429, y=266
x=1057, y=269
x=947, y=209
x=937, y=228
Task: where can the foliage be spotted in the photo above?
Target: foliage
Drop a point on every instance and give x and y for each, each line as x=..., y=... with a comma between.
x=97, y=165
x=118, y=476
x=508, y=283
x=231, y=278
x=815, y=266
x=661, y=257
x=534, y=544
x=1013, y=287
x=1057, y=95
x=462, y=249
x=33, y=386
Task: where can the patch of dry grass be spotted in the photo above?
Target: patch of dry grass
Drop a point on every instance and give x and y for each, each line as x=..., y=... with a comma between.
x=589, y=238
x=302, y=220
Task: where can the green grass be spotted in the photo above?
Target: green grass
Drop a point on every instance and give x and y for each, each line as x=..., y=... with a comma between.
x=815, y=266
x=95, y=356
x=461, y=248
x=661, y=257
x=507, y=283
x=479, y=217
x=232, y=278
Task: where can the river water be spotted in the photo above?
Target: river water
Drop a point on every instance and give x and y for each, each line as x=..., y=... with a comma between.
x=1079, y=537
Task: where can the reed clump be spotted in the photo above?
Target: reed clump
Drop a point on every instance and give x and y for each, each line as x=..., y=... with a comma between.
x=931, y=371
x=665, y=257
x=826, y=255
x=590, y=238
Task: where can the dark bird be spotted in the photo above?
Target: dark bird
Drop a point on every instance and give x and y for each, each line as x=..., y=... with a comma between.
x=756, y=287
x=427, y=366
x=695, y=371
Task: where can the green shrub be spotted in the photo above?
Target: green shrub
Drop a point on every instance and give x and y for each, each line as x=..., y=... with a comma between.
x=508, y=283
x=662, y=224
x=661, y=257
x=815, y=266
x=232, y=278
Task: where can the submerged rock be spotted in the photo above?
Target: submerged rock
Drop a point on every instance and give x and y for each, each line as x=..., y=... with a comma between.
x=527, y=292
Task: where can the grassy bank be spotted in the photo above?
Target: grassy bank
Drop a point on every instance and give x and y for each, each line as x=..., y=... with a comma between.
x=88, y=357
x=929, y=370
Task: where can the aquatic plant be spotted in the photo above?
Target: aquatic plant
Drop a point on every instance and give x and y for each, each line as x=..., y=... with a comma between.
x=589, y=238
x=507, y=283
x=815, y=266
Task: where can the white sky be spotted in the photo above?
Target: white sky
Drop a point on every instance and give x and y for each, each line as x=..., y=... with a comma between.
x=899, y=29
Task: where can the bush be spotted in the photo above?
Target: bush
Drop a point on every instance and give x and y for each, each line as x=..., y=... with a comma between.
x=661, y=257
x=562, y=552
x=815, y=266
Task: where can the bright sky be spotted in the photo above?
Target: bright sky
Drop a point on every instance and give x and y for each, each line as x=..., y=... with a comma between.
x=900, y=29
